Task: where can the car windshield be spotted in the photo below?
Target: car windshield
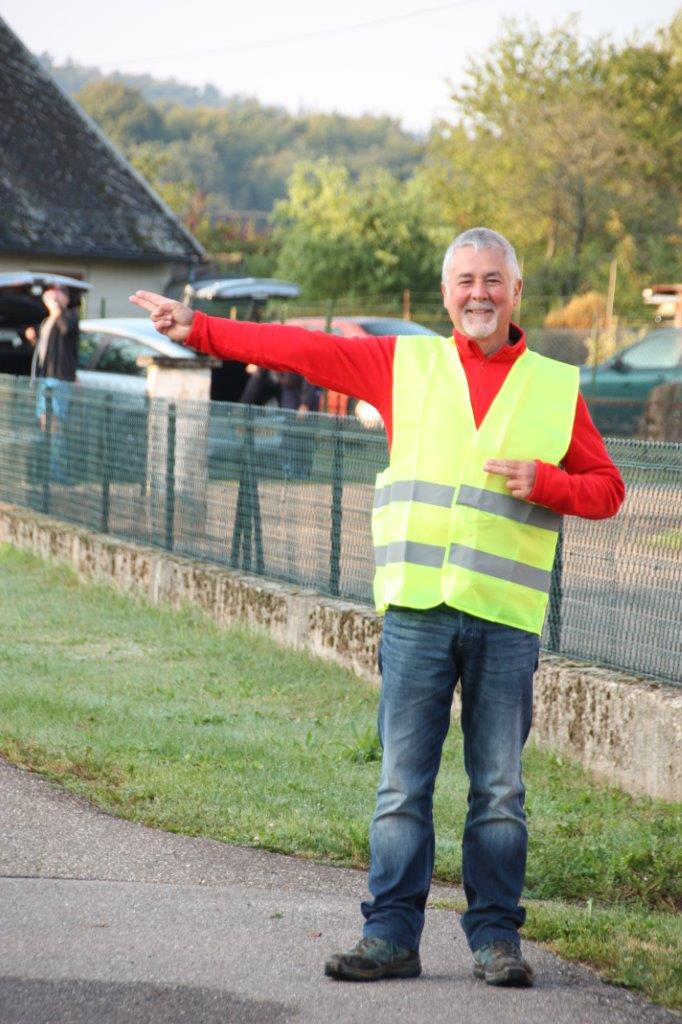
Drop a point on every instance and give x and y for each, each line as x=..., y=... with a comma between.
x=120, y=357
x=381, y=328
x=661, y=349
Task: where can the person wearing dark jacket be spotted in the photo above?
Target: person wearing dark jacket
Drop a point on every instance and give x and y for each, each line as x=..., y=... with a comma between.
x=53, y=366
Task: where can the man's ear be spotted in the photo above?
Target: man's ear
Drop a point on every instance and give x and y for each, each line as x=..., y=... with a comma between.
x=518, y=288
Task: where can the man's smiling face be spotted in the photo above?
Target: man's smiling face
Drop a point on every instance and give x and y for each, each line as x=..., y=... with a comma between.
x=480, y=291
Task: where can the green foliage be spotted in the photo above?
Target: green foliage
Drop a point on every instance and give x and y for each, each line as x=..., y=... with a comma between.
x=568, y=148
x=122, y=113
x=233, y=148
x=370, y=237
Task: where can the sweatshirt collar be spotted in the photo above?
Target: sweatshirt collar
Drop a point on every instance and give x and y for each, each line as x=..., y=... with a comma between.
x=516, y=346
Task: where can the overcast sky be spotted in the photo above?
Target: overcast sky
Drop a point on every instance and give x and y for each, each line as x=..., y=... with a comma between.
x=399, y=65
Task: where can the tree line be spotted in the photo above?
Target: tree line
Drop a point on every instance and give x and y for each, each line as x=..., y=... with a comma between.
x=569, y=146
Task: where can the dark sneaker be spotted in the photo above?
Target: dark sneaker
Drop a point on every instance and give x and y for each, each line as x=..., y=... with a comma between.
x=501, y=963
x=374, y=958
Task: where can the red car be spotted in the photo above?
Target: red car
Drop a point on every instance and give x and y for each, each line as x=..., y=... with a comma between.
x=357, y=327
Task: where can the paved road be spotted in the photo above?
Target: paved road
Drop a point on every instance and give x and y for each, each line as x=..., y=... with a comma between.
x=107, y=922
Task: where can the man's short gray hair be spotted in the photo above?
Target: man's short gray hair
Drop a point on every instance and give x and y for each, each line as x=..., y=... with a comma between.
x=482, y=238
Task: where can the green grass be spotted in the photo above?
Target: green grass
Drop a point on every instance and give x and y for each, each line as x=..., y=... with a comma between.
x=627, y=945
x=162, y=718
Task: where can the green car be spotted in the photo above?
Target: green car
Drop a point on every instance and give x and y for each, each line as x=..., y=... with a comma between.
x=618, y=389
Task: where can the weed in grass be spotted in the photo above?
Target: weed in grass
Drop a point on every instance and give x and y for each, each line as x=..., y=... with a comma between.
x=364, y=747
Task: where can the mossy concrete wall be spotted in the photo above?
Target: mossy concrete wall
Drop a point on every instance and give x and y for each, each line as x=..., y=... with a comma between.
x=626, y=731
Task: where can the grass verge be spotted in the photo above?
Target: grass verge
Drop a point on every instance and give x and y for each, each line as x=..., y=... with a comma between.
x=628, y=945
x=162, y=718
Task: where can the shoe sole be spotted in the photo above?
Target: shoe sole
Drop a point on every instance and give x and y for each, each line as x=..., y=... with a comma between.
x=512, y=976
x=341, y=973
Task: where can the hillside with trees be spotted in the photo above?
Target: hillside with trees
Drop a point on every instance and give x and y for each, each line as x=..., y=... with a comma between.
x=570, y=147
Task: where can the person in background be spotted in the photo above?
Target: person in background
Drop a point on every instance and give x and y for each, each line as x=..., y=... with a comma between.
x=301, y=397
x=53, y=366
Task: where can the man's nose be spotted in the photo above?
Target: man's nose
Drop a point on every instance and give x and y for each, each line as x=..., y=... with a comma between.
x=479, y=290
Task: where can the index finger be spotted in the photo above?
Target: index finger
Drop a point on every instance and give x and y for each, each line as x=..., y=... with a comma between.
x=148, y=300
x=501, y=465
x=153, y=296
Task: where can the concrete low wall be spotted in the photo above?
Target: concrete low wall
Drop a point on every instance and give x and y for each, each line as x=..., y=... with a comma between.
x=625, y=731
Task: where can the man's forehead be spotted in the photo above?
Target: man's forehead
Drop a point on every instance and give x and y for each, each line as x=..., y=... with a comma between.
x=469, y=259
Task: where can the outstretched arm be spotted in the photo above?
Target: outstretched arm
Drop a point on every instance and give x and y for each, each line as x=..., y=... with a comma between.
x=362, y=367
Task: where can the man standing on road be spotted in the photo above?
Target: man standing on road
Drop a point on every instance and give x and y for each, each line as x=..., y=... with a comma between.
x=490, y=445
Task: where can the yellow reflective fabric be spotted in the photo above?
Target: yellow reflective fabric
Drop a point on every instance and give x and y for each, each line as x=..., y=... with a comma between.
x=486, y=553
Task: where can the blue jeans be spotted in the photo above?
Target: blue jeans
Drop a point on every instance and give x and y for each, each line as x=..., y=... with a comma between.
x=423, y=654
x=60, y=392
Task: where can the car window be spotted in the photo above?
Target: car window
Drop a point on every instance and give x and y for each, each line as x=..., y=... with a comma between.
x=382, y=328
x=659, y=350
x=89, y=342
x=119, y=357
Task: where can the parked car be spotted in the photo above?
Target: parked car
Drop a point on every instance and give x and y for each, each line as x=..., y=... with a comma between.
x=618, y=389
x=358, y=327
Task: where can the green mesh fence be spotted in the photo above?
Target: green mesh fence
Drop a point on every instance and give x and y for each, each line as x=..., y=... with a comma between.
x=290, y=498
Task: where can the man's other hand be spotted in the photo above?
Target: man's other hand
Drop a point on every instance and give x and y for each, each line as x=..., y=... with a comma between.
x=520, y=475
x=169, y=317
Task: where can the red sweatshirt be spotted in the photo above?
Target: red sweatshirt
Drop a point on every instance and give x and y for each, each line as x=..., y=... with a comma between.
x=586, y=484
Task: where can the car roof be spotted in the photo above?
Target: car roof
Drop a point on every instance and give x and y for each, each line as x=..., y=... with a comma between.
x=22, y=278
x=394, y=324
x=141, y=329
x=259, y=288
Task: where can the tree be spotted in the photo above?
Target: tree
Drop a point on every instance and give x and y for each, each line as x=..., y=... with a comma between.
x=122, y=113
x=550, y=143
x=339, y=237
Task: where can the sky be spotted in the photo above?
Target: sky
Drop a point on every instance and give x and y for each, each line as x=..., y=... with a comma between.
x=392, y=57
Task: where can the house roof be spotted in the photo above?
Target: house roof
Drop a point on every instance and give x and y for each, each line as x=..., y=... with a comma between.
x=64, y=188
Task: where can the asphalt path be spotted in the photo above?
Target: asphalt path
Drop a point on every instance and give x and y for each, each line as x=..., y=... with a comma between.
x=108, y=922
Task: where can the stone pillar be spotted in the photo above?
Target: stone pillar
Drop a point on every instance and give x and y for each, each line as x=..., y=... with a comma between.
x=177, y=447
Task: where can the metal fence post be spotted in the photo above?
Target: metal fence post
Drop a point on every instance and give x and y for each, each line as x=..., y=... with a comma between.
x=47, y=452
x=170, y=476
x=555, y=595
x=336, y=509
x=247, y=519
x=105, y=442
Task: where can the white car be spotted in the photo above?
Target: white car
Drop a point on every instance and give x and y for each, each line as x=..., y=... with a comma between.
x=109, y=349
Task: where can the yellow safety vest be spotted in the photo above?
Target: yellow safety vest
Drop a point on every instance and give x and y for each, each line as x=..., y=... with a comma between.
x=444, y=530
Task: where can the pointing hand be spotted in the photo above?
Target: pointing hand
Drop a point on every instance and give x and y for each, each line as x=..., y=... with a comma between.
x=520, y=475
x=169, y=317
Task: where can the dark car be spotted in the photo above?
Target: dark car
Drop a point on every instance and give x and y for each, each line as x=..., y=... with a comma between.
x=618, y=390
x=240, y=298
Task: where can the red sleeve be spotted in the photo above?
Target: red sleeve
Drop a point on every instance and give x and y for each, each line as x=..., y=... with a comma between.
x=362, y=367
x=587, y=483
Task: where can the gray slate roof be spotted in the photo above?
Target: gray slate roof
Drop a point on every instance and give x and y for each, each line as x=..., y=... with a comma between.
x=64, y=188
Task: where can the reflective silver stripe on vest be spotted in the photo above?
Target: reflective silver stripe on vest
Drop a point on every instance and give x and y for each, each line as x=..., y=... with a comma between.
x=509, y=507
x=501, y=568
x=411, y=551
x=423, y=491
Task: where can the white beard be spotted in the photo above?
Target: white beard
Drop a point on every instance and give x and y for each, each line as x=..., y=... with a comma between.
x=478, y=327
